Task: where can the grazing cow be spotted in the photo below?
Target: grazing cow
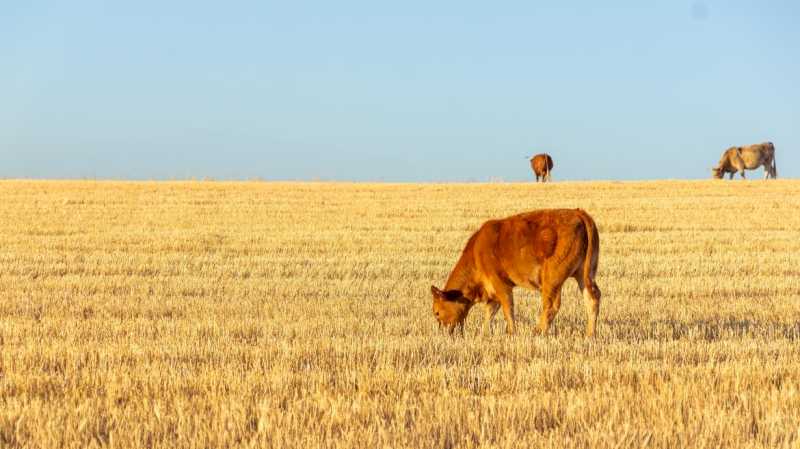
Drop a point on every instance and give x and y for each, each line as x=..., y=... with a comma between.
x=750, y=157
x=541, y=165
x=537, y=250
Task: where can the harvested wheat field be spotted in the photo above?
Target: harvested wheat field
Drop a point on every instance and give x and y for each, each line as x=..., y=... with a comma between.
x=255, y=314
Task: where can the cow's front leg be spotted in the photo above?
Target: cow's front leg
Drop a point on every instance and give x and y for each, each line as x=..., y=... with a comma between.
x=456, y=329
x=491, y=310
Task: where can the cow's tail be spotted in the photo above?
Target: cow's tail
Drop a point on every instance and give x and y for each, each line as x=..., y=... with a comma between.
x=774, y=165
x=592, y=252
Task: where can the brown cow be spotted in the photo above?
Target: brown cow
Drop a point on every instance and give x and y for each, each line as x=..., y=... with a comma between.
x=750, y=157
x=537, y=250
x=541, y=165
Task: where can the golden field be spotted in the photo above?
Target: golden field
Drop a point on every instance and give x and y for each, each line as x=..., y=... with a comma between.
x=259, y=314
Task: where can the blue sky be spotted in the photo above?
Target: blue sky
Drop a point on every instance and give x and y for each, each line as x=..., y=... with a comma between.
x=410, y=91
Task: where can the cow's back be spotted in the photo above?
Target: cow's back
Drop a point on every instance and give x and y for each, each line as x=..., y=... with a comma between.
x=757, y=154
x=513, y=248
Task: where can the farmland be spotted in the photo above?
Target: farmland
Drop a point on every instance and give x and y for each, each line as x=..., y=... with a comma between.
x=261, y=314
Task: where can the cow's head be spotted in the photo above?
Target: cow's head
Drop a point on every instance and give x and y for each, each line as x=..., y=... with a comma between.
x=716, y=172
x=450, y=308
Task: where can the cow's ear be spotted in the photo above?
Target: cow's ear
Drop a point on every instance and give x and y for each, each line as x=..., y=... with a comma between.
x=452, y=295
x=446, y=295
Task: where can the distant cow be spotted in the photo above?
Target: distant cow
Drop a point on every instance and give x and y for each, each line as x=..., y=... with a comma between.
x=537, y=250
x=541, y=165
x=750, y=157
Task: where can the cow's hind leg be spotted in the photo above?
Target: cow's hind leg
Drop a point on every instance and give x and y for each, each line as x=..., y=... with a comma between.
x=591, y=301
x=551, y=303
x=768, y=172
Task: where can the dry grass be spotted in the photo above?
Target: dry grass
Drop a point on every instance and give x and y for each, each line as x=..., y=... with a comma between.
x=208, y=314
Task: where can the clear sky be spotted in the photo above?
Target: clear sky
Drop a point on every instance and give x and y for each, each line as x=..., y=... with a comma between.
x=394, y=91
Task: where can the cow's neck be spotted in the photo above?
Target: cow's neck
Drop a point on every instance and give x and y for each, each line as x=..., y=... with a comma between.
x=462, y=276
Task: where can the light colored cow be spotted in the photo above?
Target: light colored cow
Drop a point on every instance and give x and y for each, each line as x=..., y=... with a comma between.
x=750, y=157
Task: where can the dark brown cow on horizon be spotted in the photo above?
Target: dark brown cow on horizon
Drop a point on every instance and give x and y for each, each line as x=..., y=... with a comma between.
x=750, y=157
x=542, y=164
x=537, y=250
